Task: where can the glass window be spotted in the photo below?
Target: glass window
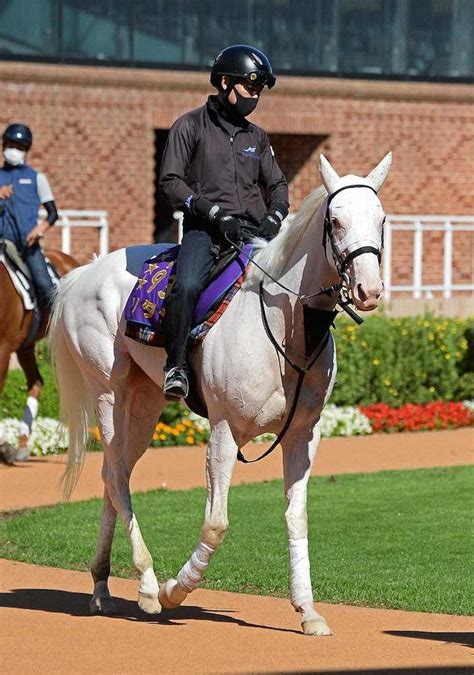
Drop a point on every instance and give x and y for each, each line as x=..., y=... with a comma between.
x=402, y=38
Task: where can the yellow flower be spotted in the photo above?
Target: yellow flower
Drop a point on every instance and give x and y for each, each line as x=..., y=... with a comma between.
x=162, y=437
x=187, y=423
x=387, y=382
x=190, y=440
x=447, y=356
x=376, y=362
x=180, y=427
x=155, y=436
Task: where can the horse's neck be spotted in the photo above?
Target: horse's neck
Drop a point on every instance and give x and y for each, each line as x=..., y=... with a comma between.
x=307, y=268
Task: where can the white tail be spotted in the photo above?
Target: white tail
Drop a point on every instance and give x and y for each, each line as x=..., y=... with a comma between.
x=76, y=410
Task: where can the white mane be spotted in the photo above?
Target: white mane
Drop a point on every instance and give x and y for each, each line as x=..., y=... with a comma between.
x=273, y=255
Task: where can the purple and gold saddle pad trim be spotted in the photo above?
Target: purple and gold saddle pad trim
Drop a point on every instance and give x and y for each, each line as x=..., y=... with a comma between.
x=144, y=309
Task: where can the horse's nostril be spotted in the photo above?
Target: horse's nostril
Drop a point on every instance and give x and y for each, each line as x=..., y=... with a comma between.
x=362, y=293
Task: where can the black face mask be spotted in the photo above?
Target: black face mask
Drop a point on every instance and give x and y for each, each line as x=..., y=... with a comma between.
x=244, y=106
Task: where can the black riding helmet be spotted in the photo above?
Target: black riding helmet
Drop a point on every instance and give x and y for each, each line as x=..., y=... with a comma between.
x=19, y=133
x=243, y=61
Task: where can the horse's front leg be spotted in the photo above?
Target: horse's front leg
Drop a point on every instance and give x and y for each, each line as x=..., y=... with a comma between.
x=220, y=461
x=298, y=456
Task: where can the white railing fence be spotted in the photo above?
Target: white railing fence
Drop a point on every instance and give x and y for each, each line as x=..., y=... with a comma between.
x=418, y=225
x=70, y=219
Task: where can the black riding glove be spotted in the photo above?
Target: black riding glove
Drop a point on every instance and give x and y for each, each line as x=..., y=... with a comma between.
x=225, y=224
x=269, y=226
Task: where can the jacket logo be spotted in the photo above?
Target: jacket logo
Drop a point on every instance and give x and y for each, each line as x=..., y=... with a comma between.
x=251, y=151
x=25, y=181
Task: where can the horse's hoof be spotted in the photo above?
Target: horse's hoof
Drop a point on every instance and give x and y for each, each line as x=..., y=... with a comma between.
x=316, y=627
x=7, y=453
x=149, y=602
x=170, y=595
x=103, y=606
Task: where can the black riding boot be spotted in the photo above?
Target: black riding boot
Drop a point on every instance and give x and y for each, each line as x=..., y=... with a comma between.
x=195, y=260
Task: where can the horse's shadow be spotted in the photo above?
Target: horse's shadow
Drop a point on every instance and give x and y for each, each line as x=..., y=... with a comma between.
x=466, y=639
x=77, y=604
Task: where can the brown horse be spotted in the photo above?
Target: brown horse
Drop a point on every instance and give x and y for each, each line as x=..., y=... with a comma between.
x=14, y=328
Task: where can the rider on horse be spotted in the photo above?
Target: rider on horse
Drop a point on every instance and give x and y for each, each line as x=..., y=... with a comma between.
x=22, y=190
x=220, y=170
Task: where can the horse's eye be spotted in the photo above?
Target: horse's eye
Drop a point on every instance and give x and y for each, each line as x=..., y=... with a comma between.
x=335, y=221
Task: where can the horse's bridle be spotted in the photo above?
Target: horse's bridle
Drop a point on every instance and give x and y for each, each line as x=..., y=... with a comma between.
x=342, y=262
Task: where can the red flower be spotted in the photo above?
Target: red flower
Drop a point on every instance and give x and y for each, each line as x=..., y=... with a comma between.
x=416, y=417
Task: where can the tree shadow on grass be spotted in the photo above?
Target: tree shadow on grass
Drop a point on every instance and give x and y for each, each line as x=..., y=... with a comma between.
x=77, y=604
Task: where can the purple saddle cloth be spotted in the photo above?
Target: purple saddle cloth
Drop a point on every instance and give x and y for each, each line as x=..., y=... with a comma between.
x=145, y=308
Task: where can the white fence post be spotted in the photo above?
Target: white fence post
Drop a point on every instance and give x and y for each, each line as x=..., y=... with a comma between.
x=103, y=236
x=387, y=260
x=65, y=235
x=448, y=260
x=417, y=260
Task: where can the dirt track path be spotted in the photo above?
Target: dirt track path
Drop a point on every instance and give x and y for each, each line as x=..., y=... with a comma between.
x=44, y=619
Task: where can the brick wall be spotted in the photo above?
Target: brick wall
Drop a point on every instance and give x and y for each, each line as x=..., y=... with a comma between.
x=94, y=131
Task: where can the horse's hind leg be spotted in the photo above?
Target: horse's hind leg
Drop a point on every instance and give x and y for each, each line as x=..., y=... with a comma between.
x=127, y=419
x=298, y=455
x=220, y=460
x=101, y=602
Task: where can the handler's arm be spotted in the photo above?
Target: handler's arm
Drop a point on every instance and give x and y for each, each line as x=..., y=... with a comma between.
x=174, y=166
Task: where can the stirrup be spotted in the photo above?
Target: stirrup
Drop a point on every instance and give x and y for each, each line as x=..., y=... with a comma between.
x=176, y=385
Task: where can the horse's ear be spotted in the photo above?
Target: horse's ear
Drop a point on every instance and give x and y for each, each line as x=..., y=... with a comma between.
x=378, y=175
x=328, y=174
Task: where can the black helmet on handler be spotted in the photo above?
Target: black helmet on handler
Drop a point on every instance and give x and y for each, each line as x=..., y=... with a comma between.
x=18, y=133
x=244, y=62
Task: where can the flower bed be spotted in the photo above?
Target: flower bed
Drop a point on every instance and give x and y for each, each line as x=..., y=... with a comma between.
x=413, y=417
x=190, y=429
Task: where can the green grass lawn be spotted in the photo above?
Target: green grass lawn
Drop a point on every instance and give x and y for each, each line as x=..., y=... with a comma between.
x=395, y=539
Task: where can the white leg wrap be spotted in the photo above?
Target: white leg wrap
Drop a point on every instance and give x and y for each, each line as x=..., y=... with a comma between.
x=192, y=573
x=300, y=578
x=148, y=582
x=31, y=411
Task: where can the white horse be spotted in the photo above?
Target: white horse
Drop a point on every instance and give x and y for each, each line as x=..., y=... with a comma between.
x=243, y=370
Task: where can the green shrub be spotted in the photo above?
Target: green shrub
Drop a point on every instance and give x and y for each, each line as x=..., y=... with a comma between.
x=13, y=398
x=397, y=361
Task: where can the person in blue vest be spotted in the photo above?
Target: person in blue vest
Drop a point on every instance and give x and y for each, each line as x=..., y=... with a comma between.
x=22, y=191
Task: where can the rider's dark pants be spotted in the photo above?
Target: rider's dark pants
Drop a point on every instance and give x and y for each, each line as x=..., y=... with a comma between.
x=195, y=261
x=44, y=287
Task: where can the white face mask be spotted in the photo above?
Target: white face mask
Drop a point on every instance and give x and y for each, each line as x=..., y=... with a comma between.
x=14, y=156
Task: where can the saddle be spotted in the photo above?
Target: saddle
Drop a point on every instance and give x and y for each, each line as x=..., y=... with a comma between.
x=146, y=305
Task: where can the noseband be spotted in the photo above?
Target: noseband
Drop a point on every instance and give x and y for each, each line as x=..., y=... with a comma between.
x=342, y=263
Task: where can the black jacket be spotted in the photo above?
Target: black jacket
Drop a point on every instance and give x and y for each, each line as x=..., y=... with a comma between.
x=229, y=163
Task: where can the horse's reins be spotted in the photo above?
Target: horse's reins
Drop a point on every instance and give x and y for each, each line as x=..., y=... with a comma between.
x=343, y=300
